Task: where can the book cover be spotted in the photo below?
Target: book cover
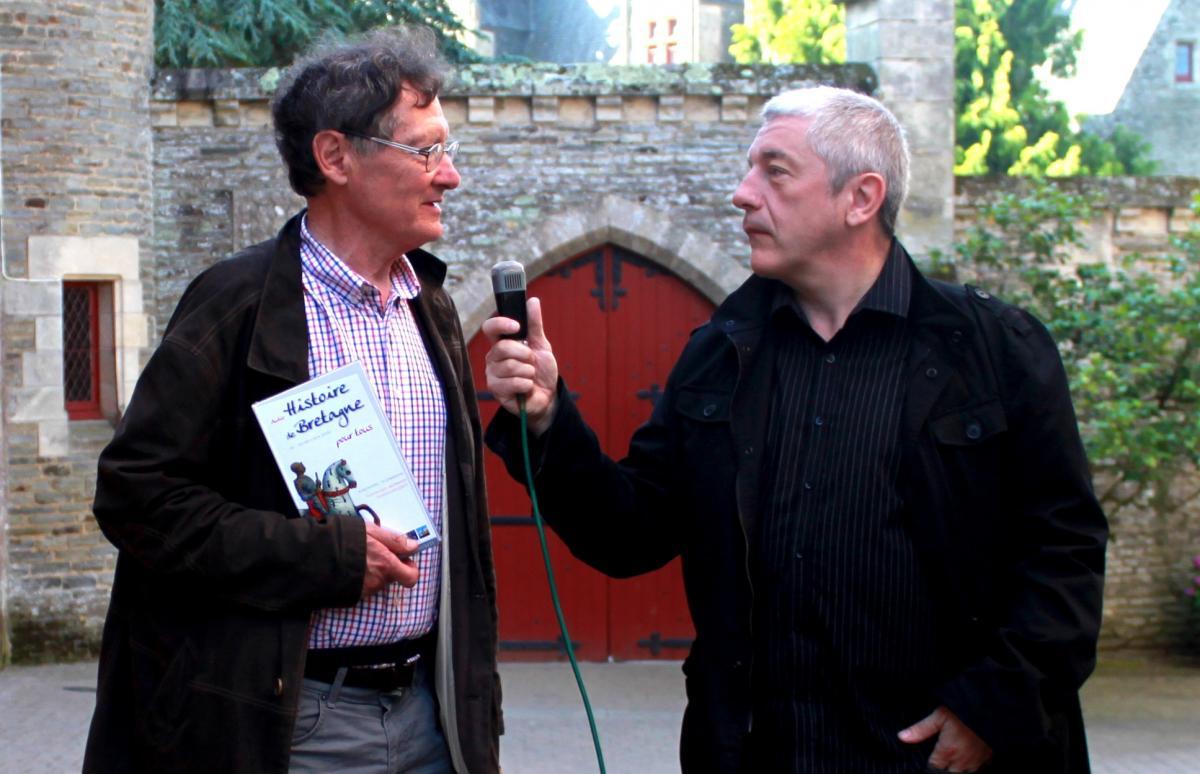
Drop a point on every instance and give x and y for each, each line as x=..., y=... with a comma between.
x=338, y=454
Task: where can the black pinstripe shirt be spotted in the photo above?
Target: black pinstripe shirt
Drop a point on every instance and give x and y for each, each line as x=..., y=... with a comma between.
x=843, y=620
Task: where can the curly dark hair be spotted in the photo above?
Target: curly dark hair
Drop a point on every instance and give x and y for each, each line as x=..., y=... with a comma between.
x=348, y=85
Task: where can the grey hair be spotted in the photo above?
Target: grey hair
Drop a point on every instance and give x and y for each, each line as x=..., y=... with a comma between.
x=349, y=86
x=852, y=133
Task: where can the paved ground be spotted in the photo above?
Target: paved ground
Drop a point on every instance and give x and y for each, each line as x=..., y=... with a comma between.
x=1143, y=717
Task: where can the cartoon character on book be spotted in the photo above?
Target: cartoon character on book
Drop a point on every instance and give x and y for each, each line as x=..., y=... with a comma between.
x=332, y=496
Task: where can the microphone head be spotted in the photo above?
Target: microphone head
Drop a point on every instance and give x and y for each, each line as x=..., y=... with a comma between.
x=508, y=276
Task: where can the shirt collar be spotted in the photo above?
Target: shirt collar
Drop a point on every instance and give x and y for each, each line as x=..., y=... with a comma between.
x=320, y=263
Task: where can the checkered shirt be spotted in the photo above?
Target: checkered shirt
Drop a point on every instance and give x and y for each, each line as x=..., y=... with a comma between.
x=387, y=340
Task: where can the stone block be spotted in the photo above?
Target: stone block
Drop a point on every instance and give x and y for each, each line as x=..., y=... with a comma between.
x=734, y=108
x=43, y=368
x=609, y=108
x=194, y=113
x=911, y=39
x=55, y=257
x=1141, y=221
x=513, y=111
x=37, y=404
x=641, y=110
x=576, y=111
x=48, y=332
x=701, y=109
x=922, y=79
x=25, y=298
x=670, y=108
x=1181, y=220
x=481, y=110
x=227, y=112
x=131, y=296
x=455, y=110
x=545, y=109
x=255, y=114
x=162, y=115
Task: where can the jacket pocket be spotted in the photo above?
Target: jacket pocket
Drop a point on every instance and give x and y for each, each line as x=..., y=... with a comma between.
x=162, y=689
x=703, y=406
x=971, y=425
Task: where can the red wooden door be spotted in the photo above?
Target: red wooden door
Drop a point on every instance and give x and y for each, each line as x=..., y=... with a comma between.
x=617, y=322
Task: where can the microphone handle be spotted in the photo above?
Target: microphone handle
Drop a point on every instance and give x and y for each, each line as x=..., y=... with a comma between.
x=511, y=304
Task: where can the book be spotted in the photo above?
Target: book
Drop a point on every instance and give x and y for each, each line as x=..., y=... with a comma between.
x=339, y=457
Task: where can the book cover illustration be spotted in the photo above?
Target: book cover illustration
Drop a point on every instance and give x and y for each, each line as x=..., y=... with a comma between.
x=339, y=457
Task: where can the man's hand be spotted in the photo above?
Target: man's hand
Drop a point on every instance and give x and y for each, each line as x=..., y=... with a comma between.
x=389, y=560
x=523, y=368
x=957, y=748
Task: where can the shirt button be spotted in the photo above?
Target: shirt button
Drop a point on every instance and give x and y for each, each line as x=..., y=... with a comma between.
x=931, y=373
x=808, y=485
x=748, y=451
x=982, y=293
x=956, y=337
x=710, y=409
x=818, y=421
x=974, y=431
x=799, y=555
x=830, y=358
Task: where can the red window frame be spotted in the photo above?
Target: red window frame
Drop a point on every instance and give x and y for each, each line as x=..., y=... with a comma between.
x=1185, y=54
x=81, y=338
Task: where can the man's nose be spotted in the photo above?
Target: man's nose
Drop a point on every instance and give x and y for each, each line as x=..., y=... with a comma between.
x=446, y=175
x=744, y=197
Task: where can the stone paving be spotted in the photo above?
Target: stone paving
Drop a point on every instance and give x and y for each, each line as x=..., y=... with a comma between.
x=1143, y=717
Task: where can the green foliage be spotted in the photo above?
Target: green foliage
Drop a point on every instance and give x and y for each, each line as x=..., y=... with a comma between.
x=1006, y=121
x=1127, y=333
x=791, y=31
x=249, y=33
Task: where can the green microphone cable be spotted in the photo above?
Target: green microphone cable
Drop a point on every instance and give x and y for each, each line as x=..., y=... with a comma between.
x=562, y=622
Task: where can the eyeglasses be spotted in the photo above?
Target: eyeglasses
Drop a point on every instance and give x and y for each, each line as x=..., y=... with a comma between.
x=432, y=153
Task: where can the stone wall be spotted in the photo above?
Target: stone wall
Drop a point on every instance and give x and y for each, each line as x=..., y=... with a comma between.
x=76, y=144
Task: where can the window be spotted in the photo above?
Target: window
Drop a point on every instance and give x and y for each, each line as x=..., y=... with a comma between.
x=89, y=369
x=1184, y=69
x=670, y=52
x=651, y=54
x=652, y=27
x=670, y=27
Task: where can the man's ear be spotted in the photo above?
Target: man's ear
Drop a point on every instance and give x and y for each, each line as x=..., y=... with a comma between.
x=867, y=192
x=331, y=151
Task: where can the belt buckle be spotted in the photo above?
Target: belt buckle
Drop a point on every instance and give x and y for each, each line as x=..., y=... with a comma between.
x=392, y=678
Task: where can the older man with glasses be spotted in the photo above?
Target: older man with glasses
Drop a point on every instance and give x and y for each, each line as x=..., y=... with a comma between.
x=243, y=637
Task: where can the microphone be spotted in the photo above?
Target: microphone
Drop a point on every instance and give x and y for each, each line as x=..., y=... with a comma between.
x=508, y=283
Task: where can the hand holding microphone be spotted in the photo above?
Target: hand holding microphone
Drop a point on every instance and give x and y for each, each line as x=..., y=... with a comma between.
x=520, y=362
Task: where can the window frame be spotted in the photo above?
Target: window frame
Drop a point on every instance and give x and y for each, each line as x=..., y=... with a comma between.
x=1188, y=74
x=101, y=350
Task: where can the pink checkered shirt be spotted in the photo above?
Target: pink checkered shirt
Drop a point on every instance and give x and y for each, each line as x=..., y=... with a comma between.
x=388, y=342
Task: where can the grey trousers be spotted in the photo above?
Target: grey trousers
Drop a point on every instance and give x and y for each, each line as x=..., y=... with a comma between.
x=362, y=731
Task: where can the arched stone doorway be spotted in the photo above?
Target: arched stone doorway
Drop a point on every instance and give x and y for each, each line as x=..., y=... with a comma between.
x=617, y=321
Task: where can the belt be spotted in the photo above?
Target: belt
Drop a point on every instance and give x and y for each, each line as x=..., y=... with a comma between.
x=378, y=667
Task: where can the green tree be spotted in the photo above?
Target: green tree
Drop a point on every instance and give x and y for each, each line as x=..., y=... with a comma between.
x=785, y=31
x=1006, y=122
x=1127, y=334
x=247, y=33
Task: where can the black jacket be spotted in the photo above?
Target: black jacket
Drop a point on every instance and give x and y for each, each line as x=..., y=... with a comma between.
x=993, y=475
x=204, y=645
